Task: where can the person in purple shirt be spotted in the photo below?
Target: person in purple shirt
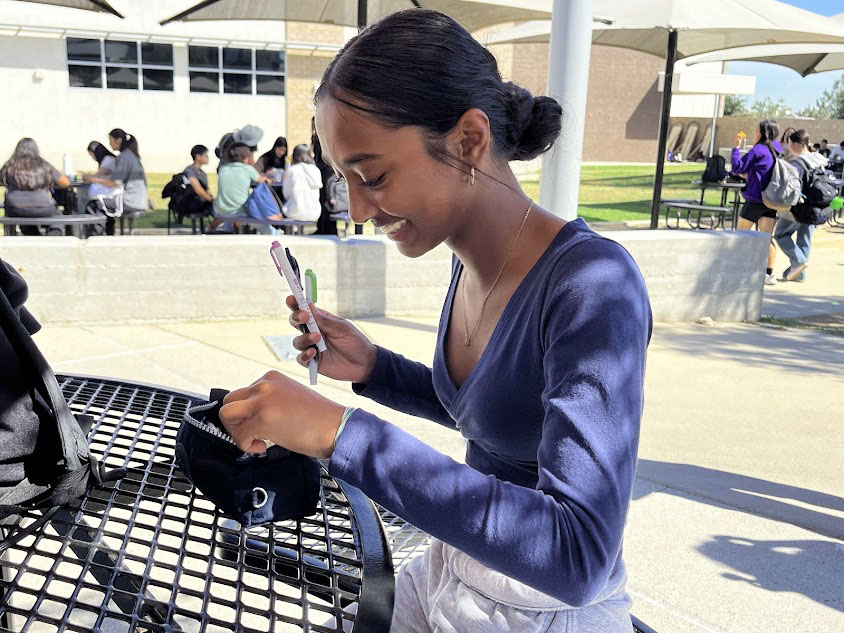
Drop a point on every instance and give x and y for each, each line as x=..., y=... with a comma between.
x=756, y=167
x=540, y=352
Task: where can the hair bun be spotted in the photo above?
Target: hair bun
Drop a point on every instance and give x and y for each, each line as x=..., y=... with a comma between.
x=534, y=123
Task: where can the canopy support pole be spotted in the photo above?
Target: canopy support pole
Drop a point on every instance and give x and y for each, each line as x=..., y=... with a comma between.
x=664, y=119
x=568, y=82
x=362, y=9
x=714, y=122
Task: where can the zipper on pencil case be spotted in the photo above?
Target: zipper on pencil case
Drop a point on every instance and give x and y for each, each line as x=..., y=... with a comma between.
x=209, y=428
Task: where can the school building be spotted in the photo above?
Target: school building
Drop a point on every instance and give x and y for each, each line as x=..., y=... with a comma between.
x=70, y=76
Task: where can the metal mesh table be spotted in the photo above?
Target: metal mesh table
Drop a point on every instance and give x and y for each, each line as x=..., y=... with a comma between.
x=148, y=553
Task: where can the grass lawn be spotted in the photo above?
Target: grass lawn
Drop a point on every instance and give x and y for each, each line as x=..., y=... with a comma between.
x=608, y=193
x=615, y=193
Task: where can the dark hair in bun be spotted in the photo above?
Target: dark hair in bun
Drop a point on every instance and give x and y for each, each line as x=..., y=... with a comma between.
x=799, y=136
x=421, y=68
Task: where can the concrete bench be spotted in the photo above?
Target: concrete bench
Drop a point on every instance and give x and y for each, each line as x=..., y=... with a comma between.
x=342, y=217
x=717, y=215
x=74, y=223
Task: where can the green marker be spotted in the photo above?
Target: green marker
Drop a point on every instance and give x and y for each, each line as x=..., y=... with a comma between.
x=310, y=286
x=310, y=297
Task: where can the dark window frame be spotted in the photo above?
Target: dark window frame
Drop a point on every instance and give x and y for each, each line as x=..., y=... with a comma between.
x=253, y=72
x=139, y=66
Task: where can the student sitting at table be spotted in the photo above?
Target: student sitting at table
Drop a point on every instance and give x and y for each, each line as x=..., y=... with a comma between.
x=274, y=162
x=128, y=174
x=235, y=178
x=542, y=373
x=28, y=179
x=823, y=148
x=301, y=186
x=107, y=162
x=201, y=199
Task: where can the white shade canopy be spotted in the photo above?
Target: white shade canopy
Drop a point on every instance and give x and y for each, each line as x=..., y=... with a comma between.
x=472, y=14
x=702, y=28
x=88, y=5
x=802, y=58
x=676, y=29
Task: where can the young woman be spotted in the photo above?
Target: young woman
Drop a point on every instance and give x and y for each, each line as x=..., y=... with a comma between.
x=28, y=179
x=128, y=173
x=107, y=162
x=795, y=238
x=301, y=186
x=540, y=353
x=273, y=163
x=756, y=166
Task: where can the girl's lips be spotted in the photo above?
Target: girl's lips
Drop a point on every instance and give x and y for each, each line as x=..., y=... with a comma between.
x=396, y=231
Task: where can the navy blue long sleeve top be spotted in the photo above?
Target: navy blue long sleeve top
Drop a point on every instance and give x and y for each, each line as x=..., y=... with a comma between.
x=551, y=413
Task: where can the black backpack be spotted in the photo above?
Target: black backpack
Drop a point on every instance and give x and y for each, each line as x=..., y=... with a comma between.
x=818, y=193
x=175, y=189
x=716, y=169
x=44, y=456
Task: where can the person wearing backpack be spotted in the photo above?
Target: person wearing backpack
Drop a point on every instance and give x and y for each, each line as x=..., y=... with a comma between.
x=757, y=166
x=792, y=236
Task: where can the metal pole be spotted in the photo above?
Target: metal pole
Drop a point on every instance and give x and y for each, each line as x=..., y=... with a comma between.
x=714, y=121
x=361, y=15
x=664, y=117
x=568, y=82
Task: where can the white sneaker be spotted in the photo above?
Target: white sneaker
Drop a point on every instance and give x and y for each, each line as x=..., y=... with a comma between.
x=770, y=279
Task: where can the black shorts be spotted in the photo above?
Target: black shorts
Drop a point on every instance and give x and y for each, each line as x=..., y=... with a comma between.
x=752, y=211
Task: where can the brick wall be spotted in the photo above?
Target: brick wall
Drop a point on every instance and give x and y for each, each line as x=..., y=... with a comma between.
x=728, y=127
x=304, y=71
x=303, y=75
x=622, y=108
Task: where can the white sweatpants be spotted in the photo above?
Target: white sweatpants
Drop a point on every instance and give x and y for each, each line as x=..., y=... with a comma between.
x=446, y=591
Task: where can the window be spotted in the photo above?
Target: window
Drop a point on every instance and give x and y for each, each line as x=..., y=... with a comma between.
x=236, y=70
x=119, y=64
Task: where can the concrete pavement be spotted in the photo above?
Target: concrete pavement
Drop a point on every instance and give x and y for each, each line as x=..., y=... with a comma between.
x=737, y=520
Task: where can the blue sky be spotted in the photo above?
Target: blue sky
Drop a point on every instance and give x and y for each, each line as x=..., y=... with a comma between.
x=778, y=82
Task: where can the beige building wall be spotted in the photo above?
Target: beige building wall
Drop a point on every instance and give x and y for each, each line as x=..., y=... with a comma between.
x=304, y=71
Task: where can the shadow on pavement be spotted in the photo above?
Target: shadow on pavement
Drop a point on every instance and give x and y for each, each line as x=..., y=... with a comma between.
x=761, y=346
x=789, y=305
x=809, y=568
x=772, y=500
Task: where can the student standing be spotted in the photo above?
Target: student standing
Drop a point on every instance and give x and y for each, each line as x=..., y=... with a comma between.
x=795, y=238
x=757, y=166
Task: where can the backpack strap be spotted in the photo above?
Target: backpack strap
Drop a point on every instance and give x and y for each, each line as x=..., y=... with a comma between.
x=80, y=466
x=45, y=382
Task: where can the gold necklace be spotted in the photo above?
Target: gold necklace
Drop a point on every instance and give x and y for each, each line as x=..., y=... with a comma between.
x=468, y=340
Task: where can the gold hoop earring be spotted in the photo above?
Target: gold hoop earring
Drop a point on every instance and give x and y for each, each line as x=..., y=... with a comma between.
x=472, y=176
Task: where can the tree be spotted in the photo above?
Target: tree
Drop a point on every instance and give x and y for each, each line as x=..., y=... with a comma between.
x=830, y=105
x=734, y=105
x=767, y=108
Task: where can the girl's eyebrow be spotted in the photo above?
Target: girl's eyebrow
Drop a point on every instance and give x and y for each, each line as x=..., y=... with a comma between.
x=360, y=158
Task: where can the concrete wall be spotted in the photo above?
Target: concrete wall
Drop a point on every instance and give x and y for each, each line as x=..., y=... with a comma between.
x=143, y=278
